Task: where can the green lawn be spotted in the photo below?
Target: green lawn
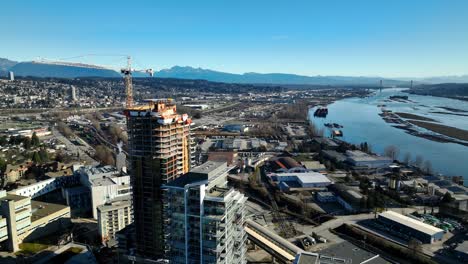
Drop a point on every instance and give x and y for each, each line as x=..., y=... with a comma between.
x=30, y=248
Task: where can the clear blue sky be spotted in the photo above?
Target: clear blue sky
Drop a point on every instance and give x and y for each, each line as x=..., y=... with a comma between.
x=371, y=38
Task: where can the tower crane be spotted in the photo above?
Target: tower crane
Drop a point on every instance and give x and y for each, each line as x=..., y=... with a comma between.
x=127, y=72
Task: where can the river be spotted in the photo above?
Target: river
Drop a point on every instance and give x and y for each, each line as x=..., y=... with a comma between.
x=361, y=123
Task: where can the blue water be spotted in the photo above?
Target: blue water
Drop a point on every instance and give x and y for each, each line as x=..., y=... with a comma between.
x=361, y=122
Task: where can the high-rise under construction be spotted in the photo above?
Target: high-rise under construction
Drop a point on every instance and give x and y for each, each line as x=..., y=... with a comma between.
x=160, y=150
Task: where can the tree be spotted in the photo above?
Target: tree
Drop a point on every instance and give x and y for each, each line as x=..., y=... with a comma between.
x=407, y=158
x=414, y=245
x=370, y=202
x=3, y=166
x=392, y=152
x=104, y=155
x=428, y=167
x=27, y=143
x=96, y=124
x=447, y=198
x=197, y=115
x=35, y=140
x=3, y=140
x=64, y=129
x=36, y=158
x=419, y=161
x=44, y=156
x=364, y=147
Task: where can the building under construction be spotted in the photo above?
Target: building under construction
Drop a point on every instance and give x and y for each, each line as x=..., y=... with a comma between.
x=160, y=150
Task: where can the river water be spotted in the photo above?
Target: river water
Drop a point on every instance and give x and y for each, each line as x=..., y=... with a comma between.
x=361, y=123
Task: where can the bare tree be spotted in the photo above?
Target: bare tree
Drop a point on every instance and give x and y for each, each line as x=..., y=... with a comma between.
x=104, y=155
x=64, y=129
x=414, y=245
x=419, y=161
x=392, y=152
x=407, y=158
x=428, y=166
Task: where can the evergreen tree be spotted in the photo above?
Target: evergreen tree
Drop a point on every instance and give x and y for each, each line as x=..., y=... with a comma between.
x=43, y=155
x=447, y=198
x=35, y=140
x=2, y=166
x=27, y=143
x=36, y=157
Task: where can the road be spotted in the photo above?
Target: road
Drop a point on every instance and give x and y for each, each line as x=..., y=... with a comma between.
x=73, y=149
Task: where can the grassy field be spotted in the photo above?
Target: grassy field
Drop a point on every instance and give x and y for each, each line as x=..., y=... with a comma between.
x=444, y=130
x=31, y=248
x=414, y=117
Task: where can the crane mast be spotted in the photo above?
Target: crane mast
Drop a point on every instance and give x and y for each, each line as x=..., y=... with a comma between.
x=127, y=72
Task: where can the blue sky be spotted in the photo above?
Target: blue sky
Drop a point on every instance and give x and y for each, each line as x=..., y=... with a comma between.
x=361, y=38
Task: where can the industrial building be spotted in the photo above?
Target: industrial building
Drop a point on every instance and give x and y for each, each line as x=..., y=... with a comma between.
x=285, y=164
x=361, y=159
x=113, y=217
x=325, y=197
x=411, y=227
x=349, y=198
x=299, y=181
x=205, y=218
x=160, y=150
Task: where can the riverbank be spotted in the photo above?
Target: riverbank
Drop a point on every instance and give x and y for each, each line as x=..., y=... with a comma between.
x=415, y=117
x=362, y=122
x=412, y=125
x=441, y=129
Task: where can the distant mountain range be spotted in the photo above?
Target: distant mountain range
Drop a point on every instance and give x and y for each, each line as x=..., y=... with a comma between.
x=75, y=70
x=6, y=64
x=269, y=78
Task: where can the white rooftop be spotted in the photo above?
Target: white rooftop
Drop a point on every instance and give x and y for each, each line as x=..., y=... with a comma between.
x=410, y=222
x=305, y=177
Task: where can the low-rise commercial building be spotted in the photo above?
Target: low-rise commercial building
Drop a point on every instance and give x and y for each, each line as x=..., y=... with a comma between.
x=413, y=228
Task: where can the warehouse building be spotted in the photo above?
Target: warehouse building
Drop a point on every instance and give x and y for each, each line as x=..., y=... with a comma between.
x=361, y=159
x=299, y=181
x=413, y=228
